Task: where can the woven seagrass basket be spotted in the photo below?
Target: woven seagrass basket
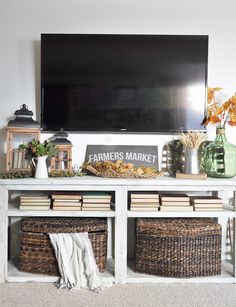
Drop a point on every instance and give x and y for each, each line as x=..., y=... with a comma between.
x=178, y=247
x=37, y=254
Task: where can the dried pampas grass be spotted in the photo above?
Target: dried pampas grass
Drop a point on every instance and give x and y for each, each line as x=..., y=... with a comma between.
x=192, y=139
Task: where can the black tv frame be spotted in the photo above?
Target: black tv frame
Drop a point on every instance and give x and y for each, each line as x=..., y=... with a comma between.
x=124, y=131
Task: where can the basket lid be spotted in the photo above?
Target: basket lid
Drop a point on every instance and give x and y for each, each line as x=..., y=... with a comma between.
x=63, y=224
x=176, y=227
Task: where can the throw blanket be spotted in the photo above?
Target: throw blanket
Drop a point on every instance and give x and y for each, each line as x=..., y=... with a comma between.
x=76, y=261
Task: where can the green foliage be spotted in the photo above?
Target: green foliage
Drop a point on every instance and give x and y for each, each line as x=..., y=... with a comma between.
x=30, y=174
x=52, y=150
x=65, y=174
x=22, y=147
x=16, y=174
x=37, y=149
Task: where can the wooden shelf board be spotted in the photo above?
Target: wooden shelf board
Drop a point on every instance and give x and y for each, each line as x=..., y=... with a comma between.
x=14, y=275
x=224, y=213
x=14, y=211
x=225, y=277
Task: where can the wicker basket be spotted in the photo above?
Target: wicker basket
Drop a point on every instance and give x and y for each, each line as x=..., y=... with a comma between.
x=110, y=173
x=37, y=254
x=178, y=247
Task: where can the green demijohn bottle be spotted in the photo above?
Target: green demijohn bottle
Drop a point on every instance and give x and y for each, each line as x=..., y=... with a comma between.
x=220, y=157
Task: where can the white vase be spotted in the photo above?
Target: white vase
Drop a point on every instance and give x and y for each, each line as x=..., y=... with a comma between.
x=41, y=167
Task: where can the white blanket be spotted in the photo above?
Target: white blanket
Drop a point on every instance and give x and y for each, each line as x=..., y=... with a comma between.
x=76, y=261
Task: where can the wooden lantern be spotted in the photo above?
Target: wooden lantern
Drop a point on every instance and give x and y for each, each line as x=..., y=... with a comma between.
x=21, y=130
x=63, y=160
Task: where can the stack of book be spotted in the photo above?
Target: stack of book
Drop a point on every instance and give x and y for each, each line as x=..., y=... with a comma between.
x=175, y=202
x=206, y=203
x=144, y=201
x=66, y=201
x=96, y=201
x=34, y=202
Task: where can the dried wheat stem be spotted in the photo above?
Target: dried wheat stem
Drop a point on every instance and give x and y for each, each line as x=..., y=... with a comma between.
x=192, y=139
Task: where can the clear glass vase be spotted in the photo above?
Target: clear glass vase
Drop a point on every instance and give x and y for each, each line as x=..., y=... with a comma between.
x=220, y=157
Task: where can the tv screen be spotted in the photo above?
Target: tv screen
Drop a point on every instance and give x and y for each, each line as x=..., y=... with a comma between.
x=119, y=82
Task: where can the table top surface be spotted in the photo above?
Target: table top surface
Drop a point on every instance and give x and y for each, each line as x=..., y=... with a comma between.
x=98, y=181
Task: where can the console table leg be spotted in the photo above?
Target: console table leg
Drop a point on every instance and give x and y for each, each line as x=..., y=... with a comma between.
x=234, y=239
x=3, y=233
x=121, y=236
x=109, y=237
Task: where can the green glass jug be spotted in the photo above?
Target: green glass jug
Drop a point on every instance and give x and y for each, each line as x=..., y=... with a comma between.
x=220, y=157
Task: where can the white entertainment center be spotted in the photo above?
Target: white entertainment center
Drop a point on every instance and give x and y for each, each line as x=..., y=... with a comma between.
x=119, y=269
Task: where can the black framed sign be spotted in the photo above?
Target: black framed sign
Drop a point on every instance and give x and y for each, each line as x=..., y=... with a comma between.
x=138, y=155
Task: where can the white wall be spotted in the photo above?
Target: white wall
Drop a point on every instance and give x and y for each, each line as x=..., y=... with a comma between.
x=22, y=22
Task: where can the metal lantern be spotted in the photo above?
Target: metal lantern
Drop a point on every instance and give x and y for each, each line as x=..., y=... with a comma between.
x=21, y=130
x=63, y=159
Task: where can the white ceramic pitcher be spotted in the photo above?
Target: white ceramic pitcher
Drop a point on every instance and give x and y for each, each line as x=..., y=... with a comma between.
x=41, y=167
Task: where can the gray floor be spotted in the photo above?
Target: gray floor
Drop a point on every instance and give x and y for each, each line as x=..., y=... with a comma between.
x=145, y=295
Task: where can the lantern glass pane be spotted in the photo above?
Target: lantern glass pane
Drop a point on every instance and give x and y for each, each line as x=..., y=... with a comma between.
x=65, y=155
x=18, y=139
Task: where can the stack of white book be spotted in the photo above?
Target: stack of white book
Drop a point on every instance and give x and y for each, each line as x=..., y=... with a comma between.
x=34, y=202
x=144, y=201
x=66, y=201
x=206, y=203
x=175, y=202
x=96, y=201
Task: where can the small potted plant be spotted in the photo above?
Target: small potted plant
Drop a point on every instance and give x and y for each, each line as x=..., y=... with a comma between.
x=39, y=152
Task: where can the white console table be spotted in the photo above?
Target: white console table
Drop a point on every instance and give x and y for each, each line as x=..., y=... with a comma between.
x=119, y=270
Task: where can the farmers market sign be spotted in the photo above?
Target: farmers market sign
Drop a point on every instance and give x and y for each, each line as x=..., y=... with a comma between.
x=138, y=155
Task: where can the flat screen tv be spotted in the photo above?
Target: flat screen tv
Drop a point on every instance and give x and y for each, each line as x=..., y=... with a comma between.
x=123, y=83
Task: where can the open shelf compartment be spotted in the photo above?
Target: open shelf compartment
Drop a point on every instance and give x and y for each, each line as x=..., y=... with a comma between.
x=227, y=268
